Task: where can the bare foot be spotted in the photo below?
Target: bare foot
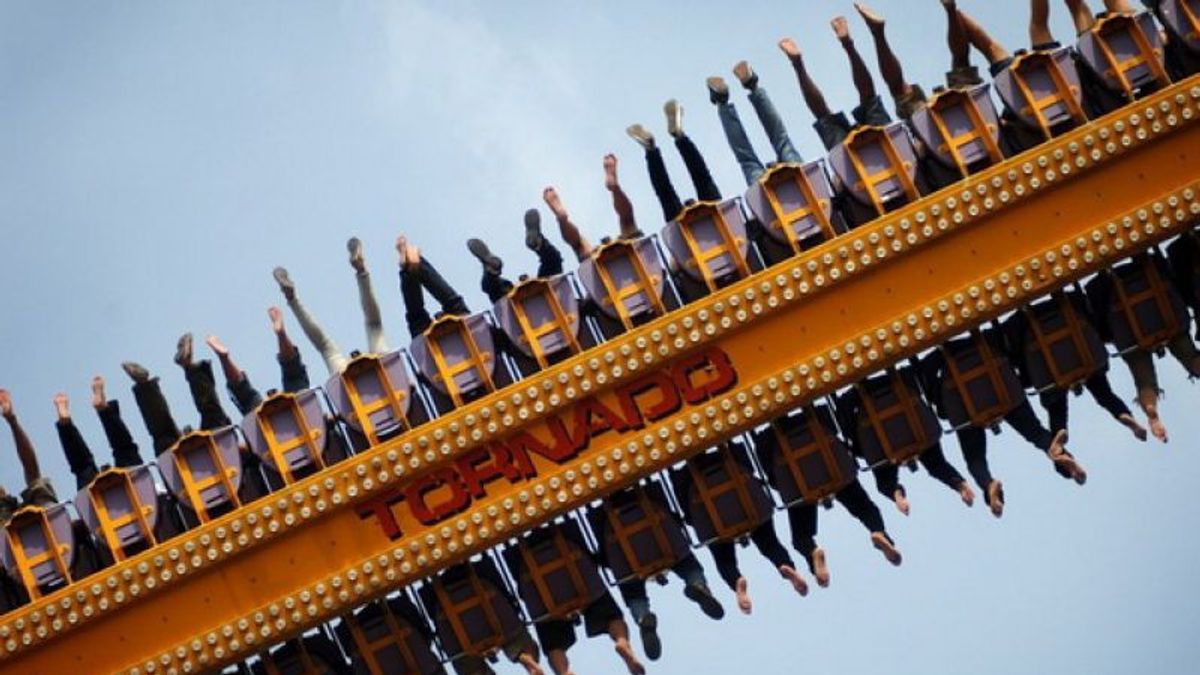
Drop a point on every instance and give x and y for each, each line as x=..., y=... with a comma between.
x=873, y=19
x=625, y=651
x=99, y=399
x=901, y=500
x=61, y=406
x=967, y=494
x=841, y=28
x=1065, y=460
x=276, y=316
x=550, y=195
x=610, y=172
x=789, y=47
x=531, y=666
x=214, y=343
x=820, y=569
x=1132, y=424
x=1156, y=424
x=6, y=406
x=995, y=498
x=798, y=583
x=881, y=541
x=743, y=595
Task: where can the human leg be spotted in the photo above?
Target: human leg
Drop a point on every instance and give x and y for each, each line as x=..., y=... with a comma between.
x=695, y=586
x=1145, y=379
x=735, y=134
x=767, y=542
x=1102, y=392
x=659, y=178
x=1027, y=424
x=152, y=405
x=983, y=42
x=887, y=482
x=202, y=385
x=621, y=204
x=566, y=227
x=415, y=314
x=124, y=449
x=293, y=374
x=803, y=520
x=492, y=283
x=863, y=82
x=245, y=397
x=1055, y=403
x=935, y=462
x=25, y=452
x=706, y=188
x=79, y=455
x=772, y=122
x=1039, y=22
x=333, y=357
x=1184, y=351
x=1081, y=15
x=908, y=98
x=372, y=318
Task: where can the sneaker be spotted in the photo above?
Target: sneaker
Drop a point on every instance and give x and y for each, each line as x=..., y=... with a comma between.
x=995, y=498
x=533, y=230
x=639, y=133
x=492, y=264
x=355, y=248
x=718, y=91
x=183, y=350
x=702, y=595
x=746, y=75
x=285, y=282
x=135, y=371
x=651, y=644
x=674, y=113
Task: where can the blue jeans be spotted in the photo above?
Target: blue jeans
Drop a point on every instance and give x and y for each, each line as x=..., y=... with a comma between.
x=739, y=142
x=633, y=592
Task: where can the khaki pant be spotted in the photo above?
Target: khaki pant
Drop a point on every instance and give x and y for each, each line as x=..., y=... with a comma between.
x=1141, y=362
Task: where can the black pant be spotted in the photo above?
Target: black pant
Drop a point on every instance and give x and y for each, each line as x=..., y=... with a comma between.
x=412, y=283
x=1055, y=400
x=702, y=180
x=686, y=569
x=245, y=397
x=973, y=440
x=887, y=476
x=204, y=394
x=803, y=518
x=292, y=373
x=550, y=263
x=124, y=449
x=724, y=553
x=79, y=455
x=156, y=414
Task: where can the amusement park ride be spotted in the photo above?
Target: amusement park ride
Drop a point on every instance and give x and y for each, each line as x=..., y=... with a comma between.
x=574, y=398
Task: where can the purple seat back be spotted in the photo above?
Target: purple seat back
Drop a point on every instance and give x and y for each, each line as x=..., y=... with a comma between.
x=702, y=221
x=26, y=528
x=1183, y=18
x=278, y=413
x=868, y=144
x=783, y=180
x=533, y=298
x=192, y=451
x=372, y=389
x=617, y=260
x=1122, y=35
x=109, y=488
x=1036, y=70
x=450, y=335
x=954, y=108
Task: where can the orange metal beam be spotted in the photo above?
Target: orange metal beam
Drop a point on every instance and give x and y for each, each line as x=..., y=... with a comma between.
x=801, y=329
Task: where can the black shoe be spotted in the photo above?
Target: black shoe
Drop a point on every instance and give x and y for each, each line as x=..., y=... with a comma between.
x=718, y=91
x=701, y=595
x=533, y=230
x=492, y=264
x=285, y=282
x=183, y=350
x=135, y=371
x=651, y=644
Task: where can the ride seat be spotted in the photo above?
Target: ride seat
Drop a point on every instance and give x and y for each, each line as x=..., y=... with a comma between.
x=39, y=548
x=204, y=470
x=808, y=463
x=878, y=165
x=625, y=279
x=709, y=243
x=794, y=202
x=1042, y=90
x=1126, y=51
x=456, y=354
x=541, y=317
x=120, y=507
x=962, y=129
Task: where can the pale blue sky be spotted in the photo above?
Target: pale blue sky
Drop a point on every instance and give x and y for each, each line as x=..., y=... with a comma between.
x=159, y=158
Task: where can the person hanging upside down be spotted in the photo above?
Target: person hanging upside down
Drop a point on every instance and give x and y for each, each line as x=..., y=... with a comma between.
x=38, y=490
x=702, y=180
x=335, y=360
x=739, y=142
x=79, y=455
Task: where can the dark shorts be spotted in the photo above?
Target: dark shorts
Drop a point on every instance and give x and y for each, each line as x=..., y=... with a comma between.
x=1003, y=64
x=834, y=128
x=560, y=633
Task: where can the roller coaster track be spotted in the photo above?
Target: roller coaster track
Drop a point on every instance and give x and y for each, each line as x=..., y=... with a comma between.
x=798, y=330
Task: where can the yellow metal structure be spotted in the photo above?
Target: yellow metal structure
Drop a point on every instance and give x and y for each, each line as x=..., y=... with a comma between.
x=745, y=354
